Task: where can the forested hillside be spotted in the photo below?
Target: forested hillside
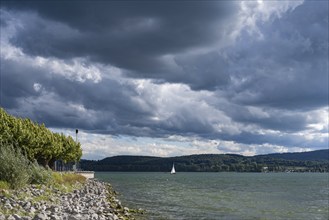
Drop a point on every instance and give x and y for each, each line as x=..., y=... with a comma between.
x=318, y=155
x=214, y=163
x=36, y=141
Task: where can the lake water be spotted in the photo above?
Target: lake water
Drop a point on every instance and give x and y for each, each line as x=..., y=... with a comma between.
x=224, y=195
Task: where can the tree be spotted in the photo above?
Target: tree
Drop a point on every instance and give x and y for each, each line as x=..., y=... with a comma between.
x=36, y=141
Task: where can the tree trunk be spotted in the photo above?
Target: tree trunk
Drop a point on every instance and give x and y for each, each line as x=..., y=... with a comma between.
x=52, y=163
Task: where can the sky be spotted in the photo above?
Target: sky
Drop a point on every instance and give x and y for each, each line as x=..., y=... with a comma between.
x=170, y=78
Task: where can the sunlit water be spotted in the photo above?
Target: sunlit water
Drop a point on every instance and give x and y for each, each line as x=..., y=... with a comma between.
x=224, y=195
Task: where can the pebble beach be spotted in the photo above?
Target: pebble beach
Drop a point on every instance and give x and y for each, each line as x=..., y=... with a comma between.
x=91, y=200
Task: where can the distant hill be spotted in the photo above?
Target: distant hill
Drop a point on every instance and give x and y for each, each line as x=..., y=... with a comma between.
x=314, y=161
x=317, y=155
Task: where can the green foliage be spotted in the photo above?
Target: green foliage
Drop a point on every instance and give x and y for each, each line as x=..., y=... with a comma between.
x=16, y=171
x=37, y=142
x=71, y=178
x=66, y=182
x=57, y=178
x=25, y=144
x=4, y=185
x=40, y=175
x=14, y=166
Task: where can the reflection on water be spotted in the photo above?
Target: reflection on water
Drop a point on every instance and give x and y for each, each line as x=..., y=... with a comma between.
x=224, y=195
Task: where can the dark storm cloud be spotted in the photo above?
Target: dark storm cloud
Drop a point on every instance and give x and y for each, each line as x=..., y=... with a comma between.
x=108, y=105
x=16, y=82
x=267, y=118
x=280, y=71
x=288, y=68
x=129, y=35
x=268, y=82
x=206, y=72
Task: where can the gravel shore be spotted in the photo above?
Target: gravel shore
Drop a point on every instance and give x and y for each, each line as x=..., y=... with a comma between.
x=92, y=200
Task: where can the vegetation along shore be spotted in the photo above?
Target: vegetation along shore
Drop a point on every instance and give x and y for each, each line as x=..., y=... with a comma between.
x=30, y=189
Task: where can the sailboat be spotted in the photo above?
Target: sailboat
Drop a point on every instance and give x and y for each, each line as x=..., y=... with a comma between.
x=173, y=169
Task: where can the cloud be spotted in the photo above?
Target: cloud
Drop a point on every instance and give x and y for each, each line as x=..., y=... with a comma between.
x=251, y=77
x=128, y=35
x=287, y=68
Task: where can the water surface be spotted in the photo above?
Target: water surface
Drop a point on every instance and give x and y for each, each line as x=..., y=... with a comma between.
x=224, y=195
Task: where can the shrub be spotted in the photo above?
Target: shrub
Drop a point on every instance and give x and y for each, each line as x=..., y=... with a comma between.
x=40, y=175
x=4, y=185
x=14, y=166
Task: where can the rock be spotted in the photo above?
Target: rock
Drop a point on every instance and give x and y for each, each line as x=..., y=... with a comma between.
x=94, y=216
x=53, y=209
x=43, y=207
x=75, y=217
x=101, y=217
x=108, y=210
x=8, y=206
x=37, y=205
x=17, y=217
x=88, y=202
x=75, y=211
x=54, y=217
x=65, y=203
x=68, y=209
x=31, y=210
x=119, y=206
x=40, y=216
x=27, y=205
x=10, y=217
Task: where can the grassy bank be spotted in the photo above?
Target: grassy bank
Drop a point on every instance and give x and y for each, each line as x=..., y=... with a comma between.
x=31, y=191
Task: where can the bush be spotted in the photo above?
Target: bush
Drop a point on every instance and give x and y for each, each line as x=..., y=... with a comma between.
x=16, y=170
x=14, y=166
x=4, y=185
x=40, y=175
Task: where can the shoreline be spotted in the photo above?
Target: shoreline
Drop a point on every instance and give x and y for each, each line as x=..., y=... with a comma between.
x=93, y=199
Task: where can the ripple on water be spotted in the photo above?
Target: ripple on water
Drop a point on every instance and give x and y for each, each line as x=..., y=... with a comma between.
x=270, y=196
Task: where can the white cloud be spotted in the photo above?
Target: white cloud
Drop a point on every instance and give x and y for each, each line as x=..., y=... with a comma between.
x=77, y=69
x=98, y=146
x=254, y=12
x=37, y=87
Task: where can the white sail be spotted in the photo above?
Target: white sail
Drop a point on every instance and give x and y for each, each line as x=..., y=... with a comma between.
x=173, y=169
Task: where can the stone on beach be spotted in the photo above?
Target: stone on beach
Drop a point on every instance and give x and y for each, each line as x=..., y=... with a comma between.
x=94, y=200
